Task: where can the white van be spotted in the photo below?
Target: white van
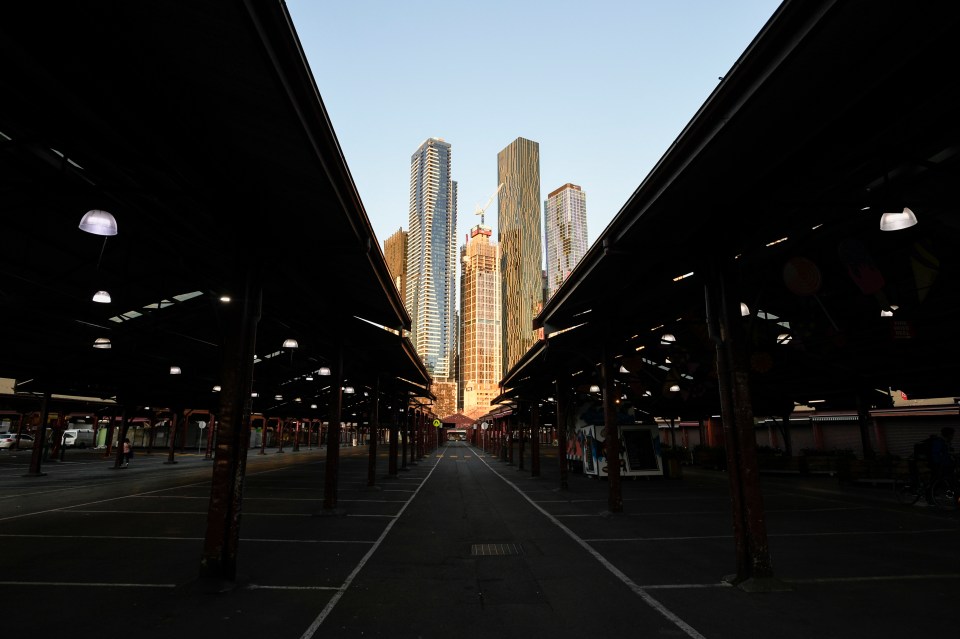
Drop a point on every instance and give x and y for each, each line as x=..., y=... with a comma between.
x=79, y=437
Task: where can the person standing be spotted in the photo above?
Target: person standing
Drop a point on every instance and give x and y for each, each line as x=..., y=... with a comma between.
x=127, y=452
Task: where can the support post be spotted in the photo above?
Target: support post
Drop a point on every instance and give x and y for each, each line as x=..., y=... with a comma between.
x=36, y=454
x=218, y=564
x=374, y=432
x=754, y=569
x=534, y=438
x=562, y=407
x=332, y=469
x=174, y=426
x=612, y=436
x=404, y=431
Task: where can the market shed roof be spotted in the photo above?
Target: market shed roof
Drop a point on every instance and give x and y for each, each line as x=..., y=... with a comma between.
x=835, y=113
x=200, y=128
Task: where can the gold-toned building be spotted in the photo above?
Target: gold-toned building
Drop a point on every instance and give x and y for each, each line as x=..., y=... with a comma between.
x=445, y=392
x=481, y=352
x=521, y=246
x=395, y=255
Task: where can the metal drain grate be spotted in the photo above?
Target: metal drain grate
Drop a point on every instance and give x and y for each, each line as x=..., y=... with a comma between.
x=496, y=549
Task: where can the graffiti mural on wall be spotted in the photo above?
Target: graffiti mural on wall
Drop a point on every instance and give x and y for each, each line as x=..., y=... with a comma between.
x=586, y=445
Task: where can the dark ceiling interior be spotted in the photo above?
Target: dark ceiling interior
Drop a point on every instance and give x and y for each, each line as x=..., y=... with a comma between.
x=837, y=112
x=199, y=127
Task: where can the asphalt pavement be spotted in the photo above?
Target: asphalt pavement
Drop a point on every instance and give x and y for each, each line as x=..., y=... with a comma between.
x=459, y=543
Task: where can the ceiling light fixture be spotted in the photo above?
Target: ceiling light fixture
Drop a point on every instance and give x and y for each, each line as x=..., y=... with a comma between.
x=175, y=370
x=898, y=221
x=290, y=343
x=102, y=297
x=98, y=222
x=323, y=371
x=675, y=388
x=216, y=388
x=102, y=342
x=594, y=388
x=744, y=309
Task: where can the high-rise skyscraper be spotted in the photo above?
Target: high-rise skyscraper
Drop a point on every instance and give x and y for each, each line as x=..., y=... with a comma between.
x=431, y=256
x=521, y=246
x=565, y=233
x=395, y=255
x=480, y=314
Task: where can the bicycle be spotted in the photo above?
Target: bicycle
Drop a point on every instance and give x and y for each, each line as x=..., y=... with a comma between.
x=944, y=491
x=909, y=489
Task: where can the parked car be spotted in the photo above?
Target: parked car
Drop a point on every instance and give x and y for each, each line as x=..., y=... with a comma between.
x=9, y=440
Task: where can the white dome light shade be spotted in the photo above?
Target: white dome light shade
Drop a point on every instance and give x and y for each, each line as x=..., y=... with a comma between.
x=897, y=221
x=744, y=309
x=175, y=370
x=348, y=390
x=102, y=297
x=594, y=389
x=323, y=370
x=102, y=342
x=216, y=389
x=98, y=222
x=675, y=388
x=290, y=343
x=667, y=338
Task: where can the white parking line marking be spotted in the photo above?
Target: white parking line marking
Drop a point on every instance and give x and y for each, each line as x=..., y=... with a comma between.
x=643, y=594
x=84, y=584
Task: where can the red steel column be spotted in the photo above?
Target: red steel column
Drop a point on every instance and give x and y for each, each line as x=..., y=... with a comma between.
x=332, y=469
x=725, y=328
x=535, y=439
x=562, y=407
x=174, y=423
x=374, y=433
x=612, y=437
x=219, y=559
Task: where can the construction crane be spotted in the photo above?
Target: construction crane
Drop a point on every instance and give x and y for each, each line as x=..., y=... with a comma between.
x=481, y=210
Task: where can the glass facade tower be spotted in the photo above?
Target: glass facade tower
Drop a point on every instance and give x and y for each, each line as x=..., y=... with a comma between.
x=565, y=233
x=431, y=257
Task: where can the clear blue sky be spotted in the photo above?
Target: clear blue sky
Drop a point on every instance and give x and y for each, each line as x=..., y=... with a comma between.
x=604, y=86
